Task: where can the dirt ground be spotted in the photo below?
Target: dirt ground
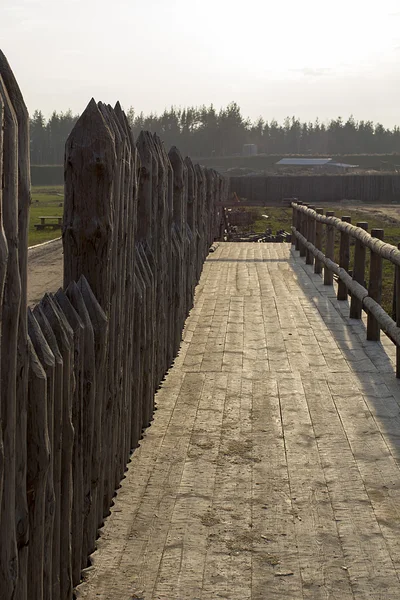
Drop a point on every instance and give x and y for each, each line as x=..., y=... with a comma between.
x=389, y=212
x=45, y=270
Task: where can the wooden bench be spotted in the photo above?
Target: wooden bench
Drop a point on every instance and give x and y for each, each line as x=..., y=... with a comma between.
x=48, y=221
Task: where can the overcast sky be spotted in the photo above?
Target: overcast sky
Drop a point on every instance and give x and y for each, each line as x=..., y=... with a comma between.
x=308, y=58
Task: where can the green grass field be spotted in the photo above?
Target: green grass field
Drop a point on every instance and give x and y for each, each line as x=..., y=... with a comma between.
x=46, y=201
x=281, y=218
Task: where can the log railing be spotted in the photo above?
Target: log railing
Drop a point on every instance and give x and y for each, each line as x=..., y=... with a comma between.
x=79, y=371
x=307, y=228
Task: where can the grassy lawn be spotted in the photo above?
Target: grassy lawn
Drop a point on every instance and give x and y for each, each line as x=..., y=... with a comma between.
x=46, y=201
x=281, y=218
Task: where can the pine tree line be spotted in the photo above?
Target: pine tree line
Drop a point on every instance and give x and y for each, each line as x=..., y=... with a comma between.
x=203, y=132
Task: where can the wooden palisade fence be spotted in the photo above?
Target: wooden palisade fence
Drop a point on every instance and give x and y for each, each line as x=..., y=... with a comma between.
x=307, y=228
x=79, y=371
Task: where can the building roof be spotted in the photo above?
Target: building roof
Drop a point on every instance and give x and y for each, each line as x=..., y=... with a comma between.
x=304, y=162
x=342, y=165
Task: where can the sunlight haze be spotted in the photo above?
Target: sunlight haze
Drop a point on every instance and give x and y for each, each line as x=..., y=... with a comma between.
x=308, y=59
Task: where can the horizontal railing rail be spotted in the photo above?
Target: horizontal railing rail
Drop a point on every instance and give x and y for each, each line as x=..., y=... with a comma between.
x=308, y=237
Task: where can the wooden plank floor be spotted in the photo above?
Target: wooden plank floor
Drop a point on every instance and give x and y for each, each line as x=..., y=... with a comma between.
x=271, y=470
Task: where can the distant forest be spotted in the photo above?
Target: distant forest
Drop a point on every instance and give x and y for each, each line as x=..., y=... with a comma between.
x=204, y=132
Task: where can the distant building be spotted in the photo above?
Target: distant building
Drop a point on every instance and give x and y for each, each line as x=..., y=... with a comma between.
x=303, y=162
x=321, y=164
x=250, y=150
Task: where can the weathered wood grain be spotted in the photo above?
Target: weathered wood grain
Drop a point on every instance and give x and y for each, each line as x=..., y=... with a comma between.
x=375, y=288
x=56, y=458
x=344, y=259
x=24, y=199
x=3, y=271
x=358, y=273
x=37, y=468
x=9, y=341
x=64, y=306
x=42, y=425
x=329, y=248
x=64, y=337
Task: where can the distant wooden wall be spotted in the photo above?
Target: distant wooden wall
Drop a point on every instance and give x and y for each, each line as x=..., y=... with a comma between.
x=261, y=191
x=79, y=371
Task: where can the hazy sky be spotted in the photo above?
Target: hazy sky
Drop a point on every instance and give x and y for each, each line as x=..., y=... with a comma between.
x=307, y=58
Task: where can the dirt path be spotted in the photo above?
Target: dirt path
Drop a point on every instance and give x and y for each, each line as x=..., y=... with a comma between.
x=45, y=270
x=271, y=469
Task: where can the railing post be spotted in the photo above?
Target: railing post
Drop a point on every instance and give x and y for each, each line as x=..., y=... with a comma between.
x=330, y=249
x=344, y=259
x=318, y=241
x=294, y=215
x=298, y=225
x=303, y=229
x=310, y=236
x=358, y=273
x=375, y=288
x=397, y=292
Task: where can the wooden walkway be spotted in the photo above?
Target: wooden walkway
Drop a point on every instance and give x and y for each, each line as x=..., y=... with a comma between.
x=271, y=470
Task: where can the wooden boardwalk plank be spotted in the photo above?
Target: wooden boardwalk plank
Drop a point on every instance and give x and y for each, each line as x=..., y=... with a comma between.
x=271, y=469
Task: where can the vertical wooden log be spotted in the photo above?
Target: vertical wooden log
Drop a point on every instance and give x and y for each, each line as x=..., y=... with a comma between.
x=146, y=267
x=45, y=543
x=64, y=306
x=126, y=338
x=344, y=259
x=191, y=230
x=88, y=423
x=9, y=342
x=358, y=273
x=99, y=323
x=21, y=507
x=90, y=219
x=397, y=283
x=330, y=249
x=3, y=271
x=310, y=237
x=37, y=468
x=64, y=337
x=57, y=445
x=375, y=287
x=163, y=293
x=88, y=215
x=318, y=241
x=113, y=341
x=134, y=167
x=179, y=219
x=138, y=368
x=200, y=218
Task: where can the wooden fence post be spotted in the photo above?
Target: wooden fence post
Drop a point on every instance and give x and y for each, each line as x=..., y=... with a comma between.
x=303, y=230
x=344, y=259
x=318, y=241
x=9, y=342
x=36, y=476
x=24, y=196
x=397, y=282
x=310, y=236
x=41, y=471
x=329, y=249
x=57, y=446
x=375, y=288
x=3, y=271
x=298, y=225
x=294, y=214
x=358, y=273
